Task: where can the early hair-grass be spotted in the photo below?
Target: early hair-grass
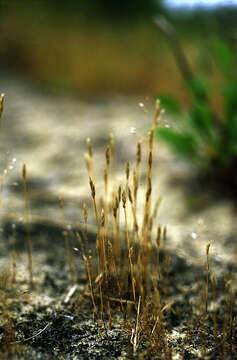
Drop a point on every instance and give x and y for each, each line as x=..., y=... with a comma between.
x=133, y=265
x=125, y=250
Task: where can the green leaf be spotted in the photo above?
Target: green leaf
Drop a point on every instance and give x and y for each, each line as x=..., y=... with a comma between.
x=201, y=121
x=198, y=88
x=230, y=102
x=183, y=144
x=223, y=56
x=170, y=103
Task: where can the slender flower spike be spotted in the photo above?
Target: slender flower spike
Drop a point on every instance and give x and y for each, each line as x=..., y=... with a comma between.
x=90, y=152
x=92, y=188
x=2, y=97
x=107, y=155
x=124, y=198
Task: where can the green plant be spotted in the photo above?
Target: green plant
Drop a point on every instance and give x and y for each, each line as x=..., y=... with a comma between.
x=201, y=135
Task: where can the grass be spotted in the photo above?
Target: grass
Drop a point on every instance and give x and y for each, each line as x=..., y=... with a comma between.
x=131, y=267
x=165, y=311
x=202, y=135
x=127, y=261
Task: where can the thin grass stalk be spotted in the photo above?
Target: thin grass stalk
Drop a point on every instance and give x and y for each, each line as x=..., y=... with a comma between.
x=147, y=209
x=2, y=99
x=144, y=247
x=146, y=214
x=13, y=253
x=164, y=236
x=225, y=320
x=150, y=227
x=136, y=335
x=106, y=183
x=120, y=199
x=103, y=247
x=149, y=183
x=215, y=328
x=161, y=345
x=93, y=194
x=111, y=150
x=135, y=189
x=116, y=231
x=156, y=208
x=229, y=312
x=232, y=302
x=67, y=242
x=158, y=325
x=88, y=165
x=102, y=309
x=114, y=270
x=135, y=225
x=85, y=232
x=207, y=275
x=2, y=177
x=128, y=245
x=158, y=236
x=109, y=314
x=150, y=154
x=136, y=176
x=88, y=271
x=89, y=274
x=127, y=172
x=85, y=237
x=90, y=277
x=27, y=221
x=157, y=113
x=89, y=161
x=167, y=263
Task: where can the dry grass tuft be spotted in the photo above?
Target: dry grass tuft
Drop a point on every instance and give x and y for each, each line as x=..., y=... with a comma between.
x=133, y=266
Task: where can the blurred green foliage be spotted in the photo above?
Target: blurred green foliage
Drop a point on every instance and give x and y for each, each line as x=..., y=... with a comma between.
x=202, y=136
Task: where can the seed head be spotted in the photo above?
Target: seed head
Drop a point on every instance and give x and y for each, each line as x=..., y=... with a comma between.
x=151, y=138
x=150, y=160
x=90, y=152
x=111, y=143
x=24, y=171
x=148, y=192
x=124, y=198
x=87, y=161
x=207, y=248
x=2, y=97
x=119, y=193
x=107, y=155
x=130, y=195
x=127, y=170
x=102, y=218
x=85, y=212
x=138, y=155
x=157, y=112
x=92, y=188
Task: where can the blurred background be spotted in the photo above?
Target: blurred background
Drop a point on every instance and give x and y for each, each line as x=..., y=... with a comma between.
x=101, y=47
